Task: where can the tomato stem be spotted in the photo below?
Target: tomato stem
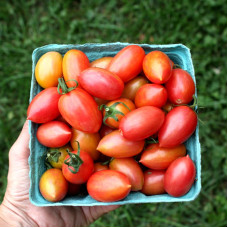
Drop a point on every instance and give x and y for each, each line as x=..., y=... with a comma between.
x=175, y=66
x=64, y=89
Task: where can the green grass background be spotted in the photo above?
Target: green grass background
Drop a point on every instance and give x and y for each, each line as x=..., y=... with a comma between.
x=200, y=25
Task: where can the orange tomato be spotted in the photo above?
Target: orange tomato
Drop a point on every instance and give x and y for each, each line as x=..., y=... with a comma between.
x=101, y=63
x=99, y=166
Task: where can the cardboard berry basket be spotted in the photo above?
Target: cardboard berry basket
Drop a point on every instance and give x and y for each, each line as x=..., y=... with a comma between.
x=180, y=55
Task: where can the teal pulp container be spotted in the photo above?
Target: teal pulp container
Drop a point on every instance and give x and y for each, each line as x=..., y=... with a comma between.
x=180, y=55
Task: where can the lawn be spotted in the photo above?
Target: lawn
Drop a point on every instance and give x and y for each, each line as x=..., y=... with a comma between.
x=200, y=25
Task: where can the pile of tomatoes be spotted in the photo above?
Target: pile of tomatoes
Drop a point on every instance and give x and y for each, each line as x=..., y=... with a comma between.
x=114, y=125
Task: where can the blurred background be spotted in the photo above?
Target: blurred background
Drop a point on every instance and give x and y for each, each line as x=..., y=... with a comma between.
x=200, y=25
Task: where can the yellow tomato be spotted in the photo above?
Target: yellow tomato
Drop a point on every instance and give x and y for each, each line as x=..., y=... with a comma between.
x=102, y=62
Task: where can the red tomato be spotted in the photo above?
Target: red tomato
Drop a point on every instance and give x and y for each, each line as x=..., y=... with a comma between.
x=99, y=166
x=74, y=62
x=151, y=95
x=127, y=63
x=88, y=142
x=53, y=134
x=105, y=130
x=132, y=86
x=108, y=186
x=101, y=83
x=141, y=122
x=157, y=67
x=112, y=112
x=44, y=106
x=159, y=157
x=131, y=169
x=53, y=186
x=153, y=182
x=179, y=125
x=115, y=145
x=73, y=189
x=180, y=87
x=85, y=170
x=168, y=106
x=80, y=110
x=180, y=176
x=101, y=63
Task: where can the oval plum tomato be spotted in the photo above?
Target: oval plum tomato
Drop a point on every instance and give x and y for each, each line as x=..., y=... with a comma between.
x=141, y=122
x=100, y=101
x=44, y=106
x=131, y=169
x=179, y=125
x=73, y=189
x=77, y=168
x=159, y=157
x=99, y=166
x=108, y=186
x=105, y=130
x=168, y=107
x=151, y=95
x=88, y=142
x=180, y=87
x=157, y=67
x=74, y=62
x=153, y=182
x=56, y=156
x=101, y=83
x=53, y=134
x=53, y=186
x=180, y=176
x=115, y=145
x=132, y=86
x=115, y=110
x=48, y=69
x=127, y=63
x=101, y=63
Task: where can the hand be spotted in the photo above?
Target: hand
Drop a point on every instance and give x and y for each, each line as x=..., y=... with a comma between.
x=16, y=209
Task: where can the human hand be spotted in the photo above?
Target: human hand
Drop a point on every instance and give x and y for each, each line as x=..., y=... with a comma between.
x=16, y=209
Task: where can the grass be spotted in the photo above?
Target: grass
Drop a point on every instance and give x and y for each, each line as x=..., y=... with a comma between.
x=200, y=25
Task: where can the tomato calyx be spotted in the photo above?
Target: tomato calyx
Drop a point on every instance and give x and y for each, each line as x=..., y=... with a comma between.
x=106, y=162
x=149, y=141
x=62, y=87
x=193, y=106
x=53, y=154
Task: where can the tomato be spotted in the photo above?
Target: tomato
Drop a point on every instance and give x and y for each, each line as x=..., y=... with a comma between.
x=157, y=67
x=53, y=186
x=48, y=69
x=78, y=174
x=151, y=95
x=105, y=130
x=115, y=110
x=101, y=63
x=115, y=145
x=132, y=86
x=61, y=119
x=56, y=156
x=180, y=176
x=100, y=101
x=179, y=125
x=168, y=106
x=141, y=122
x=80, y=110
x=131, y=169
x=180, y=87
x=44, y=106
x=108, y=186
x=101, y=83
x=153, y=182
x=88, y=142
x=73, y=189
x=159, y=157
x=127, y=63
x=99, y=166
x=74, y=62
x=53, y=134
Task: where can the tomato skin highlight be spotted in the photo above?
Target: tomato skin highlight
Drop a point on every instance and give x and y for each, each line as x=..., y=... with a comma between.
x=141, y=122
x=131, y=169
x=151, y=95
x=101, y=83
x=85, y=170
x=127, y=63
x=53, y=134
x=48, y=69
x=101, y=63
x=80, y=110
x=180, y=123
x=74, y=62
x=180, y=176
x=157, y=67
x=98, y=167
x=53, y=186
x=153, y=182
x=160, y=158
x=108, y=186
x=44, y=106
x=180, y=87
